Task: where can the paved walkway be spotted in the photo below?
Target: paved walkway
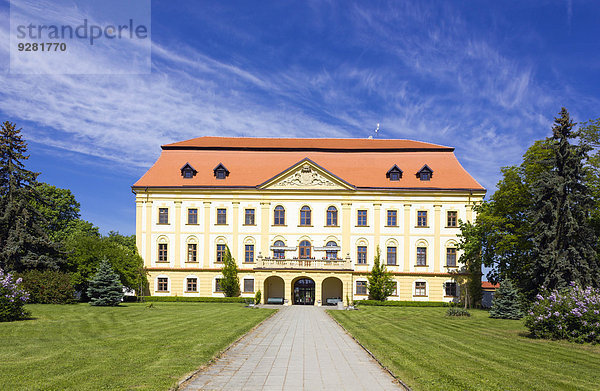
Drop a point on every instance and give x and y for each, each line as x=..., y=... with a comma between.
x=299, y=348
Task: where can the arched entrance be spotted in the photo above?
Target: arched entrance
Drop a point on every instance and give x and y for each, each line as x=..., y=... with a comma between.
x=304, y=291
x=332, y=291
x=274, y=290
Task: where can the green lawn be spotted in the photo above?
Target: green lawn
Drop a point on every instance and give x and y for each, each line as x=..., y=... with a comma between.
x=430, y=351
x=81, y=347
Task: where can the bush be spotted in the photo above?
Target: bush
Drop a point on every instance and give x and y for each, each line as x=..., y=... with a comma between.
x=572, y=314
x=185, y=299
x=395, y=303
x=48, y=287
x=457, y=311
x=12, y=298
x=105, y=289
x=257, y=297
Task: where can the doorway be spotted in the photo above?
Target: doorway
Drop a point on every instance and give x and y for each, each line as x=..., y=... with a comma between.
x=304, y=292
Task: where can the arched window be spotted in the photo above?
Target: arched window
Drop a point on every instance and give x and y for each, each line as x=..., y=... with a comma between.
x=331, y=253
x=279, y=253
x=305, y=248
x=279, y=217
x=305, y=213
x=332, y=216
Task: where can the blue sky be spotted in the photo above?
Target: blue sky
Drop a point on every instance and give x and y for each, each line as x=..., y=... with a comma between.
x=486, y=77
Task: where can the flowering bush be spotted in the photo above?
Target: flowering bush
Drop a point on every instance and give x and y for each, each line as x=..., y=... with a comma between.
x=572, y=314
x=12, y=298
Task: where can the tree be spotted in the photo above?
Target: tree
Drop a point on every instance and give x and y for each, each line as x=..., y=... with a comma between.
x=59, y=208
x=380, y=284
x=230, y=282
x=506, y=302
x=563, y=242
x=105, y=289
x=24, y=244
x=473, y=241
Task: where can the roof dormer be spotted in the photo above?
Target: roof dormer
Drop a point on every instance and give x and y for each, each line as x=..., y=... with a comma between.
x=220, y=171
x=394, y=173
x=425, y=173
x=187, y=171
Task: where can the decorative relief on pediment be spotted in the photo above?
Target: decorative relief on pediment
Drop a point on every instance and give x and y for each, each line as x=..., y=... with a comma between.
x=306, y=177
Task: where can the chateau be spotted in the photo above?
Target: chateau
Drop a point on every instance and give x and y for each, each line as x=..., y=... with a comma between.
x=303, y=217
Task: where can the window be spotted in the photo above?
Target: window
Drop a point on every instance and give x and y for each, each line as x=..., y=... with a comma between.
x=188, y=174
x=192, y=216
x=220, y=252
x=420, y=288
x=425, y=176
x=163, y=284
x=305, y=213
x=421, y=256
x=422, y=218
x=361, y=254
x=361, y=287
x=362, y=218
x=395, y=289
x=452, y=219
x=391, y=255
x=249, y=253
x=192, y=251
x=220, y=171
x=332, y=215
x=279, y=217
x=392, y=218
x=188, y=171
x=394, y=173
x=278, y=253
x=192, y=285
x=248, y=285
x=163, y=215
x=331, y=253
x=304, y=249
x=249, y=217
x=425, y=173
x=450, y=256
x=221, y=216
x=162, y=252
x=394, y=176
x=450, y=288
x=218, y=285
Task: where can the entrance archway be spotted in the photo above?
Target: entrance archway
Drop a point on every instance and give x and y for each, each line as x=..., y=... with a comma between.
x=274, y=290
x=332, y=291
x=304, y=291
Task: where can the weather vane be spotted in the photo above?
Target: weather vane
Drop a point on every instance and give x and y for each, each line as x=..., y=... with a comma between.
x=376, y=130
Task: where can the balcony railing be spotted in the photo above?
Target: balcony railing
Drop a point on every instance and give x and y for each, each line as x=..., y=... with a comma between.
x=327, y=264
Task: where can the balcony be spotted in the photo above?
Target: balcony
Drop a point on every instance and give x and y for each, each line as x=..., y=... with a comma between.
x=303, y=264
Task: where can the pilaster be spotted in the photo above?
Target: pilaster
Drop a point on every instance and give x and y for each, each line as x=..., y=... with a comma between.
x=205, y=259
x=177, y=242
x=436, y=237
x=406, y=261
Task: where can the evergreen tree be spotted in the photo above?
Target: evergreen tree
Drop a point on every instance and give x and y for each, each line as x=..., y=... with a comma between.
x=506, y=302
x=23, y=242
x=563, y=239
x=230, y=282
x=380, y=284
x=105, y=289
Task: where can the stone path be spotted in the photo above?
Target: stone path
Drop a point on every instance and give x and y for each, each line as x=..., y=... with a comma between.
x=299, y=348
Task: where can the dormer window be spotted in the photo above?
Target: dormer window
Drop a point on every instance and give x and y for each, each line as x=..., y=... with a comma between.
x=425, y=173
x=187, y=171
x=394, y=173
x=221, y=172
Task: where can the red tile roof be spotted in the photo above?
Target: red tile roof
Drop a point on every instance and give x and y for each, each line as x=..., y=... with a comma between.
x=489, y=285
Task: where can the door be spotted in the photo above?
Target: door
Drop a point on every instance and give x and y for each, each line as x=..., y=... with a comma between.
x=304, y=292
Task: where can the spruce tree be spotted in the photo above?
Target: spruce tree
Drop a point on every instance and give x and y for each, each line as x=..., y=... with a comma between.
x=506, y=302
x=105, y=288
x=381, y=284
x=230, y=282
x=23, y=242
x=562, y=238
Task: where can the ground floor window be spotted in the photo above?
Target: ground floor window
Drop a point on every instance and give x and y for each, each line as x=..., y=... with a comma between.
x=451, y=289
x=163, y=284
x=218, y=285
x=192, y=285
x=420, y=288
x=248, y=285
x=395, y=289
x=361, y=287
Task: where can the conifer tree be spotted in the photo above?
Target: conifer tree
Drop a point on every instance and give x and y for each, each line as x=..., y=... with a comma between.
x=380, y=284
x=506, y=302
x=105, y=289
x=23, y=242
x=563, y=240
x=230, y=282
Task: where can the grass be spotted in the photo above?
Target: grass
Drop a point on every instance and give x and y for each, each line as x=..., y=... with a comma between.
x=130, y=347
x=430, y=351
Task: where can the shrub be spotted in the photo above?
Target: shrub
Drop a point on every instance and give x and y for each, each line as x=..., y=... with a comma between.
x=12, y=298
x=396, y=303
x=105, y=289
x=48, y=287
x=572, y=314
x=506, y=302
x=186, y=299
x=257, y=297
x=457, y=311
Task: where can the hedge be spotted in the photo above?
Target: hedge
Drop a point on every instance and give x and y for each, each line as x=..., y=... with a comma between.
x=48, y=287
x=395, y=303
x=185, y=299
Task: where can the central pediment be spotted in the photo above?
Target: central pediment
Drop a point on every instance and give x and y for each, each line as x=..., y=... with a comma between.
x=306, y=175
